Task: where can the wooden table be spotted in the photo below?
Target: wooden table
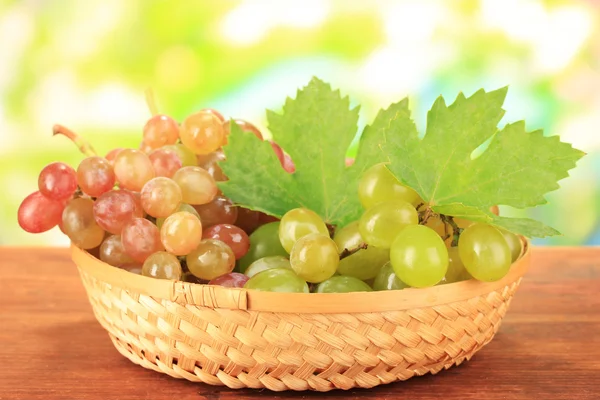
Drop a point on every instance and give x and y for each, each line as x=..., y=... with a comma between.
x=51, y=347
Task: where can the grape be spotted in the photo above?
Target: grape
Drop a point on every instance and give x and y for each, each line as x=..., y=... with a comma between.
x=114, y=209
x=386, y=279
x=95, y=176
x=247, y=219
x=266, y=218
x=112, y=252
x=277, y=280
x=232, y=279
x=160, y=130
x=380, y=224
x=110, y=156
x=187, y=157
x=210, y=163
x=456, y=269
x=38, y=213
x=57, y=181
x=365, y=263
x=314, y=257
x=165, y=162
x=211, y=259
x=145, y=148
x=140, y=239
x=419, y=256
x=79, y=224
x=219, y=211
x=215, y=113
x=232, y=236
x=484, y=252
x=264, y=242
x=197, y=186
x=245, y=126
x=265, y=263
x=134, y=268
x=342, y=284
x=133, y=169
x=182, y=207
x=181, y=233
x=378, y=184
x=297, y=223
x=513, y=242
x=162, y=265
x=202, y=132
x=161, y=197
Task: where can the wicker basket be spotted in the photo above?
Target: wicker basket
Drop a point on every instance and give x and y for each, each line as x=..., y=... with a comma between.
x=289, y=341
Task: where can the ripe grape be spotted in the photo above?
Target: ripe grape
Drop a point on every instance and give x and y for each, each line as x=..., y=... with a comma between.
x=232, y=236
x=182, y=207
x=211, y=259
x=297, y=223
x=79, y=224
x=145, y=148
x=277, y=280
x=419, y=256
x=264, y=242
x=247, y=219
x=95, y=176
x=181, y=233
x=38, y=213
x=378, y=184
x=484, y=252
x=57, y=181
x=187, y=157
x=342, y=284
x=245, y=126
x=162, y=265
x=197, y=186
x=114, y=209
x=380, y=224
x=140, y=239
x=133, y=169
x=219, y=211
x=314, y=257
x=232, y=280
x=110, y=156
x=456, y=269
x=161, y=197
x=160, y=130
x=215, y=113
x=165, y=162
x=387, y=279
x=265, y=263
x=112, y=252
x=202, y=132
x=365, y=263
x=514, y=244
x=210, y=162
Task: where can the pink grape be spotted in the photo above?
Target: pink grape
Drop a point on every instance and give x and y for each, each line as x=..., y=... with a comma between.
x=133, y=169
x=112, y=252
x=140, y=239
x=110, y=156
x=210, y=163
x=57, y=181
x=232, y=280
x=160, y=130
x=165, y=162
x=38, y=213
x=116, y=208
x=247, y=219
x=232, y=236
x=79, y=224
x=215, y=113
x=202, y=132
x=219, y=211
x=95, y=176
x=161, y=197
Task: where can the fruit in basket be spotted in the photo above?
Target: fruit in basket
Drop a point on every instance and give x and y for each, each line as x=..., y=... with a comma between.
x=314, y=257
x=484, y=252
x=181, y=233
x=387, y=279
x=277, y=280
x=381, y=223
x=342, y=284
x=264, y=242
x=162, y=265
x=378, y=184
x=265, y=263
x=210, y=259
x=57, y=181
x=298, y=223
x=79, y=225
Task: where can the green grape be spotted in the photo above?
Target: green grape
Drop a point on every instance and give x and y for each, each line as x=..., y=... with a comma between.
x=456, y=269
x=264, y=242
x=162, y=265
x=419, y=256
x=380, y=224
x=297, y=223
x=484, y=252
x=514, y=244
x=211, y=259
x=343, y=284
x=365, y=263
x=187, y=156
x=265, y=263
x=277, y=280
x=386, y=279
x=378, y=184
x=182, y=207
x=315, y=257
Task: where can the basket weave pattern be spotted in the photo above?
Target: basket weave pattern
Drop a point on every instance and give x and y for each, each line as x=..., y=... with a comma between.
x=201, y=340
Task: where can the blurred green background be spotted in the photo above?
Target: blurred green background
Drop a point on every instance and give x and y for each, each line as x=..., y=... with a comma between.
x=86, y=64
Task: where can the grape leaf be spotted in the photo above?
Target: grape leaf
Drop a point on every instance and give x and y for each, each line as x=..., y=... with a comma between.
x=316, y=129
x=516, y=169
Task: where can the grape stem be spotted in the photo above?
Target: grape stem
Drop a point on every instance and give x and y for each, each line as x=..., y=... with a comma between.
x=83, y=145
x=151, y=101
x=456, y=231
x=425, y=216
x=347, y=253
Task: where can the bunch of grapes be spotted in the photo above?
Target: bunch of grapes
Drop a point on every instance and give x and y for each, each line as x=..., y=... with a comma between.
x=157, y=210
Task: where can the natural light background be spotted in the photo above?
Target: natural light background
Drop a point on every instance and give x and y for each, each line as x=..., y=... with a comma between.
x=87, y=63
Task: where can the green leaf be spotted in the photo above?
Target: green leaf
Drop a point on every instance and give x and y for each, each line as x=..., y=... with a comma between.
x=516, y=169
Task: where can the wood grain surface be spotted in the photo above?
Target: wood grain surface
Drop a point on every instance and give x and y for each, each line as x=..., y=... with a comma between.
x=51, y=347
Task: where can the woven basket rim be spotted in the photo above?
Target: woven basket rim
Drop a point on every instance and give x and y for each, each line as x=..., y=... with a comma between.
x=303, y=303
